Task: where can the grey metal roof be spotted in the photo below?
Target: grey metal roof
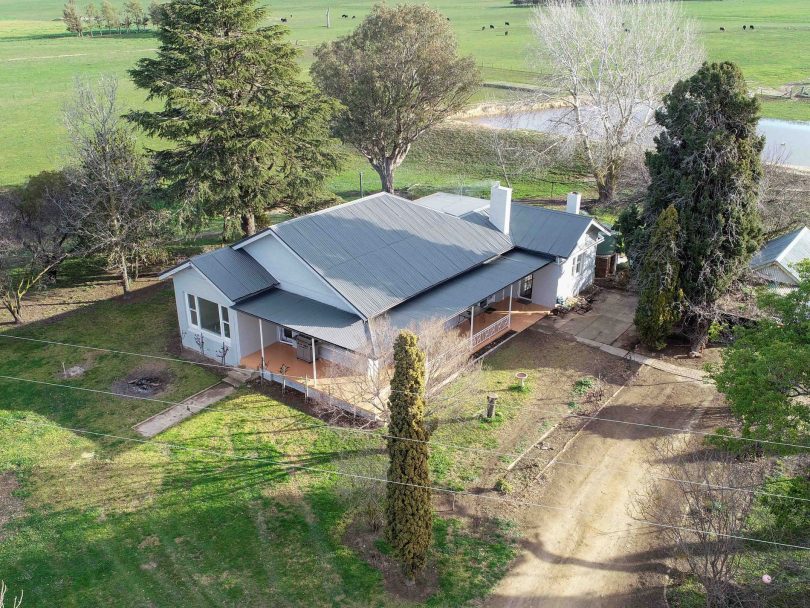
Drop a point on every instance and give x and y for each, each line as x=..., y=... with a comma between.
x=457, y=295
x=546, y=230
x=533, y=228
x=234, y=272
x=309, y=317
x=787, y=249
x=383, y=250
x=454, y=204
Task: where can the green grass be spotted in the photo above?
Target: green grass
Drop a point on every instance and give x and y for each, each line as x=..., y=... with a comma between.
x=39, y=61
x=108, y=522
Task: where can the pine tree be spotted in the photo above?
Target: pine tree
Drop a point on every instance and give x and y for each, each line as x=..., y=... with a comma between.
x=707, y=163
x=658, y=310
x=72, y=18
x=248, y=132
x=409, y=515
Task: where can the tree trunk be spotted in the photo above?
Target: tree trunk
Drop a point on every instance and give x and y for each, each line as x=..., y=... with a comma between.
x=606, y=186
x=699, y=336
x=124, y=274
x=385, y=170
x=249, y=223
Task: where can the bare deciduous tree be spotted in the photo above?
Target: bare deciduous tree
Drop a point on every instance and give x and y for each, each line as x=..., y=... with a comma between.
x=3, y=591
x=704, y=518
x=110, y=181
x=609, y=63
x=33, y=238
x=784, y=200
x=452, y=378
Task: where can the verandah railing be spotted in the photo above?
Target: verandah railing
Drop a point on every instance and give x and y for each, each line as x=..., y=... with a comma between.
x=490, y=331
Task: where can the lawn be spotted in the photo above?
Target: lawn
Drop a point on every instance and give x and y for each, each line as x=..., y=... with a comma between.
x=39, y=61
x=89, y=520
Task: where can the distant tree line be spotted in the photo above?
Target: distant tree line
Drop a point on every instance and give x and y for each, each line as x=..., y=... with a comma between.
x=109, y=18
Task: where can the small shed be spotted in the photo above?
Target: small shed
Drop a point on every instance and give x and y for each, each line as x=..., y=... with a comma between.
x=607, y=258
x=776, y=261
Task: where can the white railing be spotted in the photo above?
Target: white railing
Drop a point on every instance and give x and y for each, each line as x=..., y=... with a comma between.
x=490, y=331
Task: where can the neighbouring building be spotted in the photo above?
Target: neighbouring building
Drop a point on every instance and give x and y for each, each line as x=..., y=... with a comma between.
x=776, y=261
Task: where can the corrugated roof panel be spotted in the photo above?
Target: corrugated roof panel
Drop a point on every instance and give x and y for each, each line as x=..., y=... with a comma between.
x=788, y=249
x=234, y=272
x=456, y=295
x=308, y=316
x=373, y=251
x=533, y=228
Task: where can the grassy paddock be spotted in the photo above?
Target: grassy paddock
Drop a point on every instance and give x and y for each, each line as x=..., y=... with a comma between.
x=39, y=60
x=97, y=521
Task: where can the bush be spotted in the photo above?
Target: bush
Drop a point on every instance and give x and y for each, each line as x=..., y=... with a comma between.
x=503, y=486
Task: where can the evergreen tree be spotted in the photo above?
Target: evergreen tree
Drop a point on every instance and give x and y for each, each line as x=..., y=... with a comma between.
x=248, y=132
x=72, y=18
x=658, y=310
x=409, y=515
x=707, y=164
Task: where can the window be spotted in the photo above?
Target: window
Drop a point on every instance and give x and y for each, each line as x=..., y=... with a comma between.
x=192, y=310
x=209, y=316
x=576, y=267
x=285, y=334
x=526, y=284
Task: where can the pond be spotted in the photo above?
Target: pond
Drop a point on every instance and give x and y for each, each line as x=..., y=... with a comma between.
x=790, y=140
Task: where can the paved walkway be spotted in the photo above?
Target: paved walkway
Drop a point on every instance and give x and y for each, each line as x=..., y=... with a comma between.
x=185, y=409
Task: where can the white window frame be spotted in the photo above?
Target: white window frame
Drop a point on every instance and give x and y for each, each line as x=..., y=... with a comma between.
x=577, y=266
x=284, y=339
x=223, y=323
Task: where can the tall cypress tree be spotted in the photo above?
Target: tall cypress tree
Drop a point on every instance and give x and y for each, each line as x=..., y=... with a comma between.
x=409, y=514
x=707, y=164
x=658, y=310
x=247, y=132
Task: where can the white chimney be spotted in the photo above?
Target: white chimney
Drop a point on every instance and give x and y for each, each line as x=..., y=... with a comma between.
x=500, y=207
x=572, y=202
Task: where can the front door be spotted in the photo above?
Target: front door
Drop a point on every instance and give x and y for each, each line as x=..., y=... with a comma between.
x=526, y=284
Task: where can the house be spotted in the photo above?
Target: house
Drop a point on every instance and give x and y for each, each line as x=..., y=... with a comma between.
x=302, y=297
x=776, y=261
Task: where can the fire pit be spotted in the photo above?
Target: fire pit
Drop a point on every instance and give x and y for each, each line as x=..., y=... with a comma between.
x=144, y=382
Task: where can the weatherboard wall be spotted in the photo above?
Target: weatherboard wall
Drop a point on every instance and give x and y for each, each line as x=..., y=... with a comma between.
x=191, y=281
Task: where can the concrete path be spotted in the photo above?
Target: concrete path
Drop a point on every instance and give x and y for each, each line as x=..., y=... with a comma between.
x=611, y=316
x=185, y=409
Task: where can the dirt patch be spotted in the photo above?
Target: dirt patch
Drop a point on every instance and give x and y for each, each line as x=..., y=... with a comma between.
x=367, y=545
x=10, y=505
x=146, y=381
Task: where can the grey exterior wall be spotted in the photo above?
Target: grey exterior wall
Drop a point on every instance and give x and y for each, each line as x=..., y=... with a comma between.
x=190, y=281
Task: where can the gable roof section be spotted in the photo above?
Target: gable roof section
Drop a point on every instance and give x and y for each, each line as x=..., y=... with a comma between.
x=786, y=250
x=235, y=273
x=308, y=316
x=382, y=250
x=537, y=229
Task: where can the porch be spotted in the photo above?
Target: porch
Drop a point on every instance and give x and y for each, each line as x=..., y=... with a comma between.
x=488, y=324
x=281, y=359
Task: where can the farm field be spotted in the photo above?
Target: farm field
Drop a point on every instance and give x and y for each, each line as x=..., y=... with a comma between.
x=39, y=62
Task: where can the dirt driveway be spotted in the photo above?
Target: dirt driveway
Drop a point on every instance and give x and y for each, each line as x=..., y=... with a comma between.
x=594, y=554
